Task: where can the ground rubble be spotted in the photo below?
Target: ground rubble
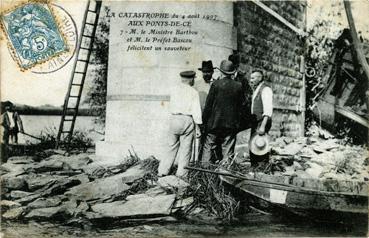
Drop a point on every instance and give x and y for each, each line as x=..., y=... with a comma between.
x=317, y=156
x=81, y=189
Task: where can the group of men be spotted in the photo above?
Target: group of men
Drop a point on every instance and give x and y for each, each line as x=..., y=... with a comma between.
x=216, y=110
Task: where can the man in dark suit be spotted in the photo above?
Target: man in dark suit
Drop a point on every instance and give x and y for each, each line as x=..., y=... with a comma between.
x=240, y=76
x=222, y=115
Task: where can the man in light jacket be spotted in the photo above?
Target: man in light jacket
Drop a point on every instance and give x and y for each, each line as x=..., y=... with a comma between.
x=185, y=118
x=261, y=110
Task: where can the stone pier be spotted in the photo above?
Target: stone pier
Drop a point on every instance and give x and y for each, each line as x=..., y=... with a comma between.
x=140, y=77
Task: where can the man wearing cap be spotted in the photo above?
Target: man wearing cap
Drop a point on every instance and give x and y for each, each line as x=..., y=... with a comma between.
x=222, y=114
x=185, y=118
x=261, y=111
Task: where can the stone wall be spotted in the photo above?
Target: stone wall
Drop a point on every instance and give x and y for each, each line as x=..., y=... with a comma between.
x=265, y=42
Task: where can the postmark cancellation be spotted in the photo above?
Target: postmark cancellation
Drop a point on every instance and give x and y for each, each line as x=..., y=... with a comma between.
x=33, y=33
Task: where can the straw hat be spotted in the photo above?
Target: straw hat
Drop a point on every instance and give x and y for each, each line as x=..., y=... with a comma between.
x=259, y=145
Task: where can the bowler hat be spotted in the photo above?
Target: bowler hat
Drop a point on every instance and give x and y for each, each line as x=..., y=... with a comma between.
x=206, y=66
x=259, y=145
x=227, y=67
x=187, y=74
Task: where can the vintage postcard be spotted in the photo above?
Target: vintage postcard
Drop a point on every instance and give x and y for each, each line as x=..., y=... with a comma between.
x=184, y=118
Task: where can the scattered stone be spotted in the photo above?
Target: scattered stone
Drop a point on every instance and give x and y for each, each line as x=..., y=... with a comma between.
x=90, y=150
x=180, y=203
x=4, y=170
x=6, y=204
x=289, y=170
x=136, y=196
x=45, y=202
x=297, y=166
x=157, y=190
x=20, y=159
x=95, y=170
x=61, y=186
x=48, y=166
x=19, y=194
x=70, y=207
x=40, y=181
x=46, y=213
x=14, y=213
x=76, y=162
x=16, y=169
x=172, y=181
x=82, y=178
x=148, y=206
x=315, y=170
x=292, y=149
x=132, y=174
x=28, y=199
x=51, y=152
x=99, y=189
x=287, y=140
x=14, y=183
x=81, y=208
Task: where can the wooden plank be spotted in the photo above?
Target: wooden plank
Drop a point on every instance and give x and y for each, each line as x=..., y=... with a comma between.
x=355, y=39
x=352, y=115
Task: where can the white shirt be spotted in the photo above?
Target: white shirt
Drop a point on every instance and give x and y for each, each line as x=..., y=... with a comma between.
x=11, y=119
x=185, y=100
x=266, y=98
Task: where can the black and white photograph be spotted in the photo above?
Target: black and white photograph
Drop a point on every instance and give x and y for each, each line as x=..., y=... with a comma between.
x=184, y=118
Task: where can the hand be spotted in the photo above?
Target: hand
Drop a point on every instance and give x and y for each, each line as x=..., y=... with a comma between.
x=261, y=131
x=198, y=133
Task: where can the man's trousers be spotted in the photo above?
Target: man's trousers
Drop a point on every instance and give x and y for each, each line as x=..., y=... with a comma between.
x=218, y=145
x=180, y=140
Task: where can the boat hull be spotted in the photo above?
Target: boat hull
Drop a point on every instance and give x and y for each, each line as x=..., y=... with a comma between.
x=305, y=202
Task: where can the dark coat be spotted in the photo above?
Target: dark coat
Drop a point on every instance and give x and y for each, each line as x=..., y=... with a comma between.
x=224, y=106
x=241, y=77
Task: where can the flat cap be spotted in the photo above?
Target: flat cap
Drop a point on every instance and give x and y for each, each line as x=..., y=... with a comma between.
x=187, y=74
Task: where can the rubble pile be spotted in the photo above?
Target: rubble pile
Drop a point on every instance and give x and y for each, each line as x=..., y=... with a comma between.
x=319, y=156
x=82, y=189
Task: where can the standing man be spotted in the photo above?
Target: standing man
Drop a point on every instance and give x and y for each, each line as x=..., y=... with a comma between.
x=185, y=118
x=12, y=124
x=203, y=86
x=261, y=110
x=222, y=114
x=240, y=76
